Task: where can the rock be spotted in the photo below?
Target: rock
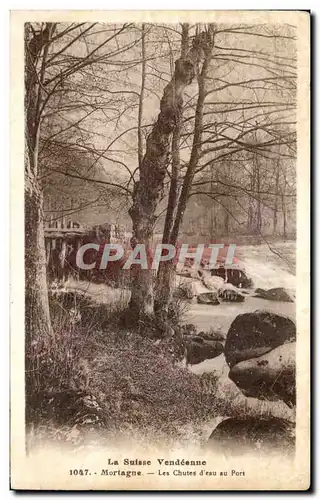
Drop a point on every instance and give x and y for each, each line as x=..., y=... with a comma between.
x=199, y=287
x=208, y=298
x=199, y=349
x=230, y=295
x=201, y=336
x=212, y=282
x=270, y=376
x=280, y=294
x=189, y=272
x=236, y=277
x=253, y=334
x=256, y=435
x=185, y=290
x=260, y=350
x=195, y=274
x=244, y=281
x=184, y=272
x=220, y=272
x=212, y=335
x=188, y=329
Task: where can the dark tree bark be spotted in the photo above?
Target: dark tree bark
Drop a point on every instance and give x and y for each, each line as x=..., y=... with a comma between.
x=149, y=188
x=226, y=223
x=167, y=269
x=275, y=208
x=259, y=215
x=141, y=96
x=284, y=208
x=36, y=294
x=165, y=273
x=195, y=151
x=175, y=171
x=251, y=202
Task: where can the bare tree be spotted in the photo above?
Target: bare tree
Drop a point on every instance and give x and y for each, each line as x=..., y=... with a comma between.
x=165, y=274
x=37, y=310
x=216, y=136
x=257, y=136
x=149, y=188
x=52, y=69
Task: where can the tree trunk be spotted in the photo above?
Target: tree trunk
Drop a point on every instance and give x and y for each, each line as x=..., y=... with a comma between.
x=284, y=207
x=165, y=279
x=251, y=201
x=195, y=152
x=37, y=315
x=175, y=172
x=36, y=296
x=284, y=214
x=275, y=208
x=165, y=275
x=141, y=96
x=259, y=216
x=148, y=191
x=213, y=214
x=226, y=223
x=164, y=288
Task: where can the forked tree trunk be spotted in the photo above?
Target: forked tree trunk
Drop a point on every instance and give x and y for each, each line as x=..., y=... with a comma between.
x=166, y=274
x=148, y=191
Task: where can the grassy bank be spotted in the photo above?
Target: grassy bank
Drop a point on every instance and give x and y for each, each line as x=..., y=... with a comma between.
x=95, y=375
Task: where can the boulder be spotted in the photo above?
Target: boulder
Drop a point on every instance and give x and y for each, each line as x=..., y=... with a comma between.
x=212, y=282
x=280, y=294
x=253, y=334
x=199, y=349
x=270, y=376
x=236, y=277
x=258, y=435
x=228, y=294
x=208, y=298
x=220, y=272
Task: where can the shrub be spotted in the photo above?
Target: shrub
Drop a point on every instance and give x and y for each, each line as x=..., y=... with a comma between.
x=131, y=381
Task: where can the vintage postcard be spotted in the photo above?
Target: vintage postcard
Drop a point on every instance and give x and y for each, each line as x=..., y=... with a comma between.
x=160, y=250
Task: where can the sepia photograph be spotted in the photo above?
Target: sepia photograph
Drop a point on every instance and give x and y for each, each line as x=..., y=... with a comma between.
x=160, y=313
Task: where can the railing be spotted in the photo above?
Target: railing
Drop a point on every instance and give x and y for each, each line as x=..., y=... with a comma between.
x=64, y=237
x=62, y=226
